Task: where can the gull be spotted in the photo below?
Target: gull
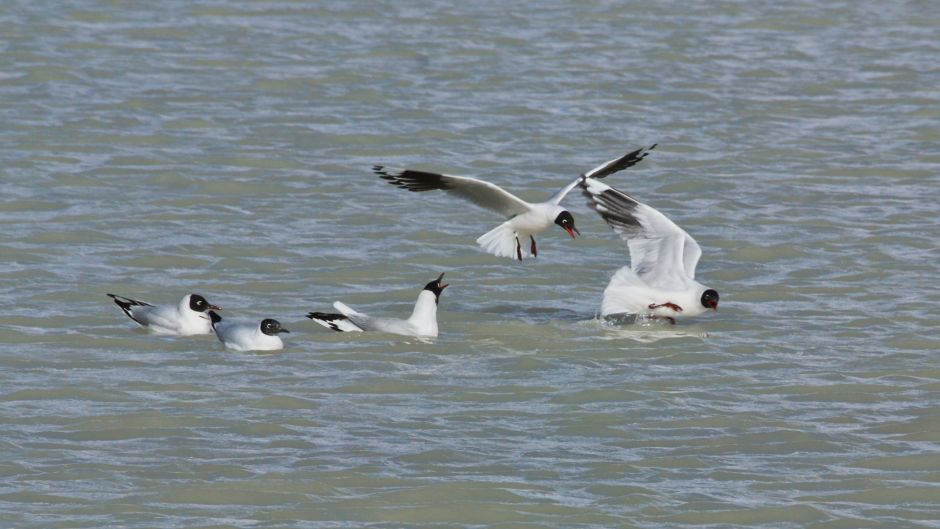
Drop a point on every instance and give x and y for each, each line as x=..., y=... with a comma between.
x=184, y=319
x=525, y=219
x=660, y=281
x=239, y=336
x=423, y=320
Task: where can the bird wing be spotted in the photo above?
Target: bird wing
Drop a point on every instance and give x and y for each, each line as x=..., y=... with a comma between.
x=133, y=308
x=370, y=323
x=661, y=252
x=607, y=168
x=337, y=322
x=483, y=194
x=366, y=323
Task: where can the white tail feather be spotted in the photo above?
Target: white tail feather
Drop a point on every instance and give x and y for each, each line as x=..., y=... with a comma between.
x=501, y=242
x=624, y=294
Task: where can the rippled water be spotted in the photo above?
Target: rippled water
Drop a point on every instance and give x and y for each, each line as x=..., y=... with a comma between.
x=157, y=148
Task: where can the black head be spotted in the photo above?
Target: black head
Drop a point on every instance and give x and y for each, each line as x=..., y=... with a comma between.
x=436, y=287
x=198, y=303
x=710, y=299
x=566, y=221
x=271, y=327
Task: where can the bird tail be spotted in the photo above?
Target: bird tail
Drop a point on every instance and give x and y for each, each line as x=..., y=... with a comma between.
x=337, y=322
x=502, y=241
x=624, y=293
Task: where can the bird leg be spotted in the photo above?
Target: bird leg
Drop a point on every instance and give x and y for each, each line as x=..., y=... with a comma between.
x=668, y=305
x=535, y=251
x=518, y=249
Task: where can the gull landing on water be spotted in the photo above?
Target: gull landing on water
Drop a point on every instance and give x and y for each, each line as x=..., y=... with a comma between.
x=422, y=323
x=183, y=319
x=525, y=219
x=660, y=281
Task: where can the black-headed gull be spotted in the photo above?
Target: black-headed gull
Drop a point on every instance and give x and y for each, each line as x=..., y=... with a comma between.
x=241, y=336
x=660, y=281
x=186, y=318
x=526, y=219
x=423, y=320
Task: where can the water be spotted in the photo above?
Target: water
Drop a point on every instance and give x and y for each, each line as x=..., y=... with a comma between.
x=152, y=149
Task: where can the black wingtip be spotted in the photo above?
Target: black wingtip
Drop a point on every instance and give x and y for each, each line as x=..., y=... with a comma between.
x=624, y=162
x=122, y=302
x=125, y=305
x=328, y=318
x=415, y=181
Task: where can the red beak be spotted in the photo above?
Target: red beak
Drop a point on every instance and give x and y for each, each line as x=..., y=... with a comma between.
x=571, y=231
x=713, y=305
x=215, y=307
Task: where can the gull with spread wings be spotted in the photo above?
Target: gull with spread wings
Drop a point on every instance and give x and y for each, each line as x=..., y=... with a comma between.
x=525, y=219
x=660, y=281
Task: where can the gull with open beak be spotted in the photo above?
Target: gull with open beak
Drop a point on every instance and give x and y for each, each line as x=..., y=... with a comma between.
x=423, y=320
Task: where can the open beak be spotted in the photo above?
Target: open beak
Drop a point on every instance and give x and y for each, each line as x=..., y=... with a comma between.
x=571, y=231
x=442, y=285
x=215, y=307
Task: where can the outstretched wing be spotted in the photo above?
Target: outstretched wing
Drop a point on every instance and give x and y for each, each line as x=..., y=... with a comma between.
x=661, y=252
x=483, y=194
x=607, y=168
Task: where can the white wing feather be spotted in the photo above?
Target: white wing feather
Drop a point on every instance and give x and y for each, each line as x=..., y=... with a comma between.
x=661, y=252
x=479, y=192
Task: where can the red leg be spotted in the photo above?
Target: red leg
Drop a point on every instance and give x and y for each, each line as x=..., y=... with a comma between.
x=518, y=249
x=535, y=251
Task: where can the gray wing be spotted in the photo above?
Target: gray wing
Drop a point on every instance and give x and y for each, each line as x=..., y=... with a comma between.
x=134, y=308
x=483, y=194
x=369, y=323
x=358, y=319
x=660, y=251
x=607, y=168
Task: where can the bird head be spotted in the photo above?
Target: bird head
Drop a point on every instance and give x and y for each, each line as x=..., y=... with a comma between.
x=566, y=221
x=198, y=303
x=272, y=327
x=436, y=287
x=710, y=299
